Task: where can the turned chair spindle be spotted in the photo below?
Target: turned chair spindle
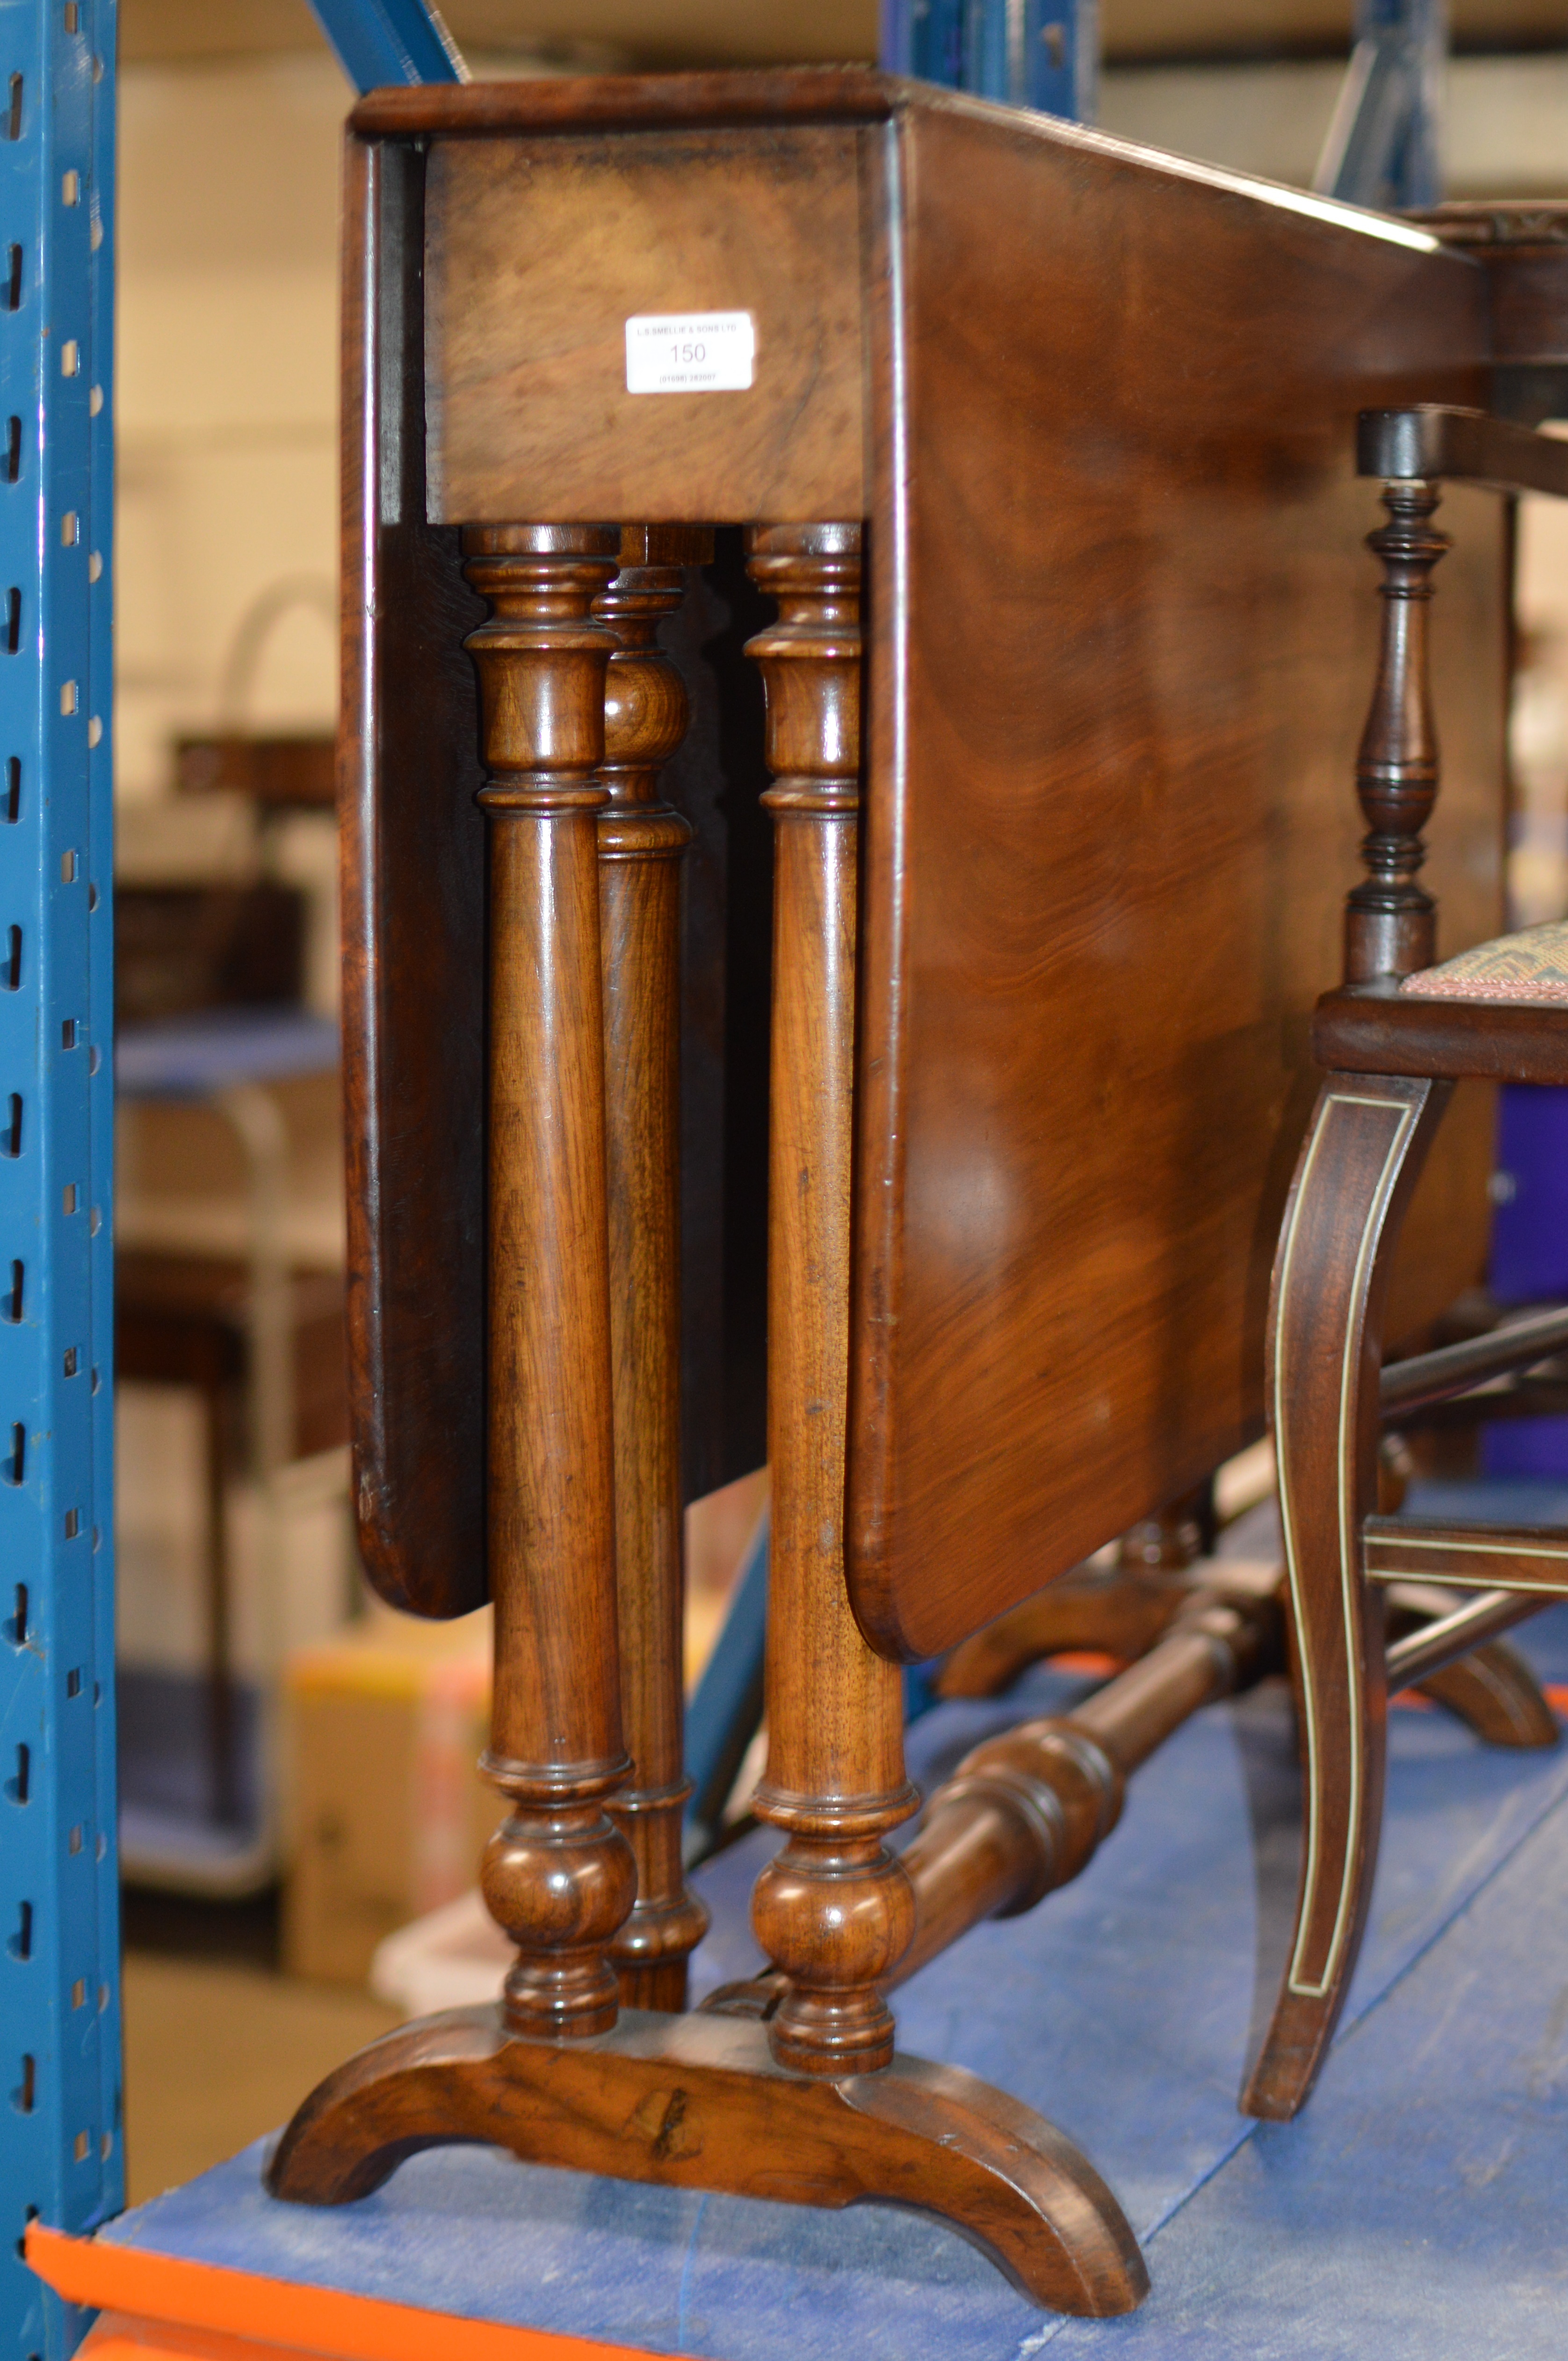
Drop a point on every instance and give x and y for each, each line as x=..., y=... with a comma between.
x=1391, y=921
x=558, y=1876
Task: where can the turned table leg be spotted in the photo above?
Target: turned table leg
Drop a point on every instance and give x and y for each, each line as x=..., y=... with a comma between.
x=834, y=1911
x=558, y=1876
x=786, y=2112
x=641, y=842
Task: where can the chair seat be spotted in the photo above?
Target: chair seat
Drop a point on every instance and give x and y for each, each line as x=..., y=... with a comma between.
x=1498, y=1010
x=1529, y=966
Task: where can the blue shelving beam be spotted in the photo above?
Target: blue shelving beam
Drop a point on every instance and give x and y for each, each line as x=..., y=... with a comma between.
x=1038, y=53
x=1384, y=143
x=60, y=2150
x=380, y=42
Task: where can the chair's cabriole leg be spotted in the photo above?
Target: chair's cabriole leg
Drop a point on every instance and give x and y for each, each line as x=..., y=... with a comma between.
x=1368, y=1140
x=1390, y=921
x=558, y=1876
x=641, y=842
x=834, y=1911
x=1362, y=1154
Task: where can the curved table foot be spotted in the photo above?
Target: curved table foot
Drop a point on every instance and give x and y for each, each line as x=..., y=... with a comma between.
x=699, y=2102
x=1492, y=1690
x=1120, y=1614
x=1494, y=1693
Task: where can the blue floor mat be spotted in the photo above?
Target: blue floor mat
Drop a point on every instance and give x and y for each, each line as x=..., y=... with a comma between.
x=1415, y=2199
x=1416, y=2210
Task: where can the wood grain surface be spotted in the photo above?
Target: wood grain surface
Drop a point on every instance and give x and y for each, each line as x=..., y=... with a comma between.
x=413, y=879
x=1122, y=627
x=642, y=842
x=625, y=101
x=833, y=1910
x=699, y=2102
x=537, y=254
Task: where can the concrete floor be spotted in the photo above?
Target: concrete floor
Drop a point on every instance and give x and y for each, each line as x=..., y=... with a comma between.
x=219, y=2051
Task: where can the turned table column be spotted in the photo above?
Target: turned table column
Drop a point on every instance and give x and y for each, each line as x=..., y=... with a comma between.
x=835, y=1910
x=558, y=1876
x=640, y=840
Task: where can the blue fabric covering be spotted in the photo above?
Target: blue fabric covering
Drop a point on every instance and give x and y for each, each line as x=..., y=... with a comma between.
x=1529, y=1255
x=1529, y=1226
x=191, y=1057
x=1415, y=2212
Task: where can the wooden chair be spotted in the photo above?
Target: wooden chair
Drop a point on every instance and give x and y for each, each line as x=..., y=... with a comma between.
x=1394, y=1040
x=1073, y=423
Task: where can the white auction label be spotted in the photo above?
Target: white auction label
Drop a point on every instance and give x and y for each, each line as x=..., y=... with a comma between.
x=690, y=352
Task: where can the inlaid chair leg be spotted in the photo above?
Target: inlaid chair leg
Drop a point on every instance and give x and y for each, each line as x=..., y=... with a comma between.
x=641, y=842
x=1368, y=1138
x=1367, y=1141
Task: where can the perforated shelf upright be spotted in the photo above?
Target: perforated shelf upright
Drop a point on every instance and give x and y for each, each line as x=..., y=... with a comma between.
x=59, y=2047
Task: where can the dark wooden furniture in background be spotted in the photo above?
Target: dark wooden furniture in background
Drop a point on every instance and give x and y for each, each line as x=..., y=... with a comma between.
x=288, y=773
x=182, y=947
x=1523, y=251
x=185, y=1319
x=1394, y=1039
x=1074, y=889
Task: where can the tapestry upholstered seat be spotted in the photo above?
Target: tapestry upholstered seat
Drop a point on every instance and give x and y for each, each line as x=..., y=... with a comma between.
x=1529, y=966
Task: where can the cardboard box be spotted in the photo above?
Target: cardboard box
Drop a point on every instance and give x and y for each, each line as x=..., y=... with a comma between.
x=387, y=1812
x=387, y=1815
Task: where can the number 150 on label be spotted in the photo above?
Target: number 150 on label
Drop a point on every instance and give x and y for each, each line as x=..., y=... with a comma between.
x=696, y=352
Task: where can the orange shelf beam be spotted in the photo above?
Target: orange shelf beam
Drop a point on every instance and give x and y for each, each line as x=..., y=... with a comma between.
x=164, y=2308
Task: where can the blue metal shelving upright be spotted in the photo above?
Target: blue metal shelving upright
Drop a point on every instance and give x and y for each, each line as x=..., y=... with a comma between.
x=1038, y=53
x=60, y=2151
x=377, y=42
x=1384, y=144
